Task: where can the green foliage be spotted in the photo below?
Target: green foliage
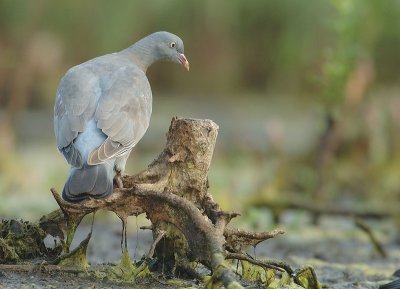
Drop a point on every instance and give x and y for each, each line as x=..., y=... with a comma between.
x=358, y=27
x=342, y=56
x=243, y=46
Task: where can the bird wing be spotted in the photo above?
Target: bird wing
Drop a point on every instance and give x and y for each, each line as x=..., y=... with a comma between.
x=123, y=112
x=75, y=105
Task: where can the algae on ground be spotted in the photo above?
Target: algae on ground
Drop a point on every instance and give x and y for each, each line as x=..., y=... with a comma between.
x=125, y=270
x=21, y=240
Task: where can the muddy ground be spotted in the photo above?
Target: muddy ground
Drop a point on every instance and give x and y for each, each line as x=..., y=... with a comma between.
x=341, y=254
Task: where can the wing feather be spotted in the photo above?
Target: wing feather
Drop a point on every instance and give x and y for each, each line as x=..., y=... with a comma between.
x=123, y=113
x=75, y=105
x=119, y=101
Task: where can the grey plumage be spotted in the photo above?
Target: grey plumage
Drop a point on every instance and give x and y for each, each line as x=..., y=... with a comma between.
x=392, y=285
x=103, y=109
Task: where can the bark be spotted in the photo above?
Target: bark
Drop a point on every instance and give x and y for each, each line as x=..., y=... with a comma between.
x=173, y=192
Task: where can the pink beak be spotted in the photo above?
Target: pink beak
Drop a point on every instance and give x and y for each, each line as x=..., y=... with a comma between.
x=184, y=61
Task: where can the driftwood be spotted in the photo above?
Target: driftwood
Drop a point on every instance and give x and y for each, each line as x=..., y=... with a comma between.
x=173, y=193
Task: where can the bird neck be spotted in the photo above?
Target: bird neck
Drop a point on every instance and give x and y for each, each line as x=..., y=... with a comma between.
x=143, y=53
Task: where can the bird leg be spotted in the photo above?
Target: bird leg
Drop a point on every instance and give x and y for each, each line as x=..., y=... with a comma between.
x=118, y=180
x=119, y=168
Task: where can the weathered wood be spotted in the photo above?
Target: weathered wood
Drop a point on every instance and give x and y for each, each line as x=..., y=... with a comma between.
x=172, y=192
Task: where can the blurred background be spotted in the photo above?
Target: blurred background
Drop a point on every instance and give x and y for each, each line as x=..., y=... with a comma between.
x=306, y=97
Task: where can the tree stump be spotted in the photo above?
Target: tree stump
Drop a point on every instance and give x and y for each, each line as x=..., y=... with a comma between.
x=173, y=192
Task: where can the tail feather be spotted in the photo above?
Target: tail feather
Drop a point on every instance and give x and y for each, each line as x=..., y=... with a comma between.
x=392, y=285
x=89, y=181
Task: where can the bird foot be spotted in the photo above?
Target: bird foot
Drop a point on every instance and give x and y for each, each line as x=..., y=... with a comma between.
x=118, y=181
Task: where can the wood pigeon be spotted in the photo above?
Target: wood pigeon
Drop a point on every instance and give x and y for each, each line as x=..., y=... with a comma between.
x=103, y=108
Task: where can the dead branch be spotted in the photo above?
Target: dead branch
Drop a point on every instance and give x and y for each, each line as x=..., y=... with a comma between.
x=301, y=203
x=367, y=229
x=263, y=264
x=154, y=244
x=236, y=239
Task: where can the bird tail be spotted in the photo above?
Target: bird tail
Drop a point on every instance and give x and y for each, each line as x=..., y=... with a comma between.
x=392, y=285
x=89, y=181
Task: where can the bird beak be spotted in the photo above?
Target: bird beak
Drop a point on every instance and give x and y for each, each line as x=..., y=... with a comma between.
x=183, y=60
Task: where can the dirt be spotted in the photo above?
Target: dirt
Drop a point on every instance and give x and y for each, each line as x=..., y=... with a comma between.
x=342, y=256
x=71, y=281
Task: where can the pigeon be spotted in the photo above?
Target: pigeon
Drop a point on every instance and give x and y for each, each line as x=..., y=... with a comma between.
x=103, y=108
x=394, y=284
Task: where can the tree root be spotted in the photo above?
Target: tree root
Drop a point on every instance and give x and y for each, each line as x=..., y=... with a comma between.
x=157, y=239
x=172, y=192
x=77, y=257
x=275, y=265
x=238, y=238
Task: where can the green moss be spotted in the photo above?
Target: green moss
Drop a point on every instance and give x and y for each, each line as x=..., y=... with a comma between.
x=255, y=273
x=178, y=283
x=77, y=259
x=285, y=281
x=308, y=278
x=125, y=270
x=212, y=283
x=21, y=240
x=7, y=253
x=142, y=271
x=71, y=229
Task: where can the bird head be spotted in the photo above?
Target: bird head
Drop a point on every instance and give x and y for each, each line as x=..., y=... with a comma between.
x=170, y=47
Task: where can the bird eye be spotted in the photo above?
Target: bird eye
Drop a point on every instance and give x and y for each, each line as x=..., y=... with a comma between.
x=172, y=44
